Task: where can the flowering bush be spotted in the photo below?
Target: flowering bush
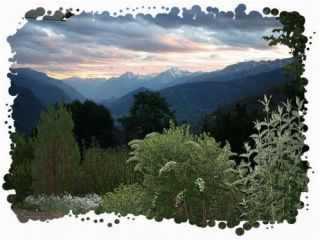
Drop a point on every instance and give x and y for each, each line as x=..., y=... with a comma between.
x=63, y=203
x=188, y=177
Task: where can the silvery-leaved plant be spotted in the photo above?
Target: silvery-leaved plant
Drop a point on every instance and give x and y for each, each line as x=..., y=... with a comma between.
x=274, y=184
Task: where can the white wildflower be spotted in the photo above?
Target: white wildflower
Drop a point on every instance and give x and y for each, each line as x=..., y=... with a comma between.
x=135, y=145
x=153, y=134
x=65, y=201
x=154, y=200
x=193, y=144
x=168, y=167
x=200, y=183
x=180, y=197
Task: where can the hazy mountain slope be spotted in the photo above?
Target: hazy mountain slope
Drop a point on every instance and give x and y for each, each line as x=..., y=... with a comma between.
x=119, y=86
x=47, y=90
x=26, y=109
x=192, y=101
x=240, y=70
x=85, y=86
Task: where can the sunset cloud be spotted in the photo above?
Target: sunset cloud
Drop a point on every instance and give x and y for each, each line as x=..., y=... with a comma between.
x=100, y=45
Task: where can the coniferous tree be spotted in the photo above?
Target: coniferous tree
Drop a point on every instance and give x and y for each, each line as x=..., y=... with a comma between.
x=56, y=155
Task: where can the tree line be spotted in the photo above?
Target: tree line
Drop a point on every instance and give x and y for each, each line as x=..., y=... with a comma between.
x=75, y=148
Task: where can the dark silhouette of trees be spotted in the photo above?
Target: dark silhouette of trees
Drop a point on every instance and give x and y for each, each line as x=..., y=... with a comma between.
x=92, y=121
x=234, y=125
x=149, y=113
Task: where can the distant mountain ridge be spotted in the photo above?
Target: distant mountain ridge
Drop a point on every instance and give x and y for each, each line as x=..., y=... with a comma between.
x=191, y=95
x=192, y=101
x=242, y=69
x=48, y=90
x=117, y=87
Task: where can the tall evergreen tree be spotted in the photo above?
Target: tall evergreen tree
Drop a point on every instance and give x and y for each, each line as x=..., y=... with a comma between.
x=56, y=155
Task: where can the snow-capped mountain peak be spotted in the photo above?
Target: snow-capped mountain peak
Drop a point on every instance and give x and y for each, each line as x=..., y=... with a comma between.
x=176, y=72
x=129, y=75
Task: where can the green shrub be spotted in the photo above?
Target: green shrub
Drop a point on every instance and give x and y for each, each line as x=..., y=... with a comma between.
x=103, y=170
x=278, y=178
x=19, y=177
x=131, y=199
x=190, y=177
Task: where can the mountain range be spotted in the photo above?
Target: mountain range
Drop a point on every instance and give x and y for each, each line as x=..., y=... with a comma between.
x=192, y=101
x=116, y=87
x=191, y=94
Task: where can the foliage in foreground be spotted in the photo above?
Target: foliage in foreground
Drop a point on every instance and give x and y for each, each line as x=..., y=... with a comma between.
x=189, y=177
x=131, y=199
x=50, y=161
x=19, y=177
x=274, y=186
x=103, y=170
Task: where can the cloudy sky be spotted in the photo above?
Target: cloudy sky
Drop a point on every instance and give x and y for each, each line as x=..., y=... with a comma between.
x=102, y=45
